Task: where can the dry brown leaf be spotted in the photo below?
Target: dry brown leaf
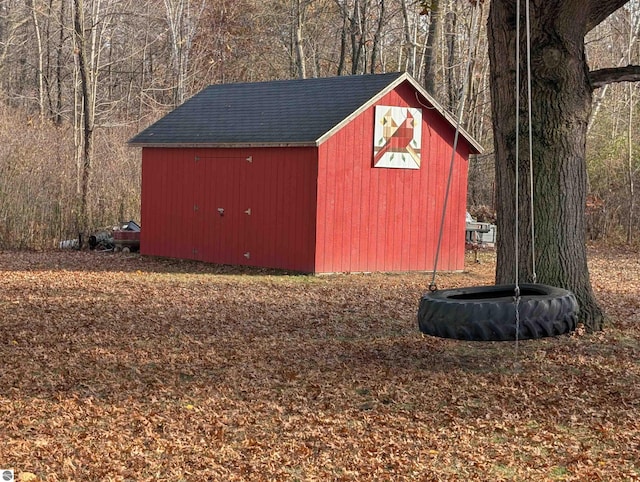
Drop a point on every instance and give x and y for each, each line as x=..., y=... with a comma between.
x=130, y=368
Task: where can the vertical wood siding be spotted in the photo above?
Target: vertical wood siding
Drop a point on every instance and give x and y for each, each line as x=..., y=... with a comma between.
x=183, y=190
x=323, y=209
x=377, y=219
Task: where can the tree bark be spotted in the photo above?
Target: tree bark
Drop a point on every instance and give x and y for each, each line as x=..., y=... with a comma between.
x=59, y=63
x=630, y=173
x=343, y=37
x=601, y=77
x=430, y=50
x=453, y=90
x=301, y=69
x=183, y=26
x=598, y=10
x=40, y=72
x=376, y=37
x=409, y=39
x=358, y=22
x=561, y=98
x=87, y=113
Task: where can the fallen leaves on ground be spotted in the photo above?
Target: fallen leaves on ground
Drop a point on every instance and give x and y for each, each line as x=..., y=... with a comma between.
x=121, y=367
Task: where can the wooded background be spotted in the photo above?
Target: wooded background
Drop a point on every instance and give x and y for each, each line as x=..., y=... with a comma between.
x=79, y=78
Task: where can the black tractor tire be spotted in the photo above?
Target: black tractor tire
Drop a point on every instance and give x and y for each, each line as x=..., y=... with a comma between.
x=488, y=313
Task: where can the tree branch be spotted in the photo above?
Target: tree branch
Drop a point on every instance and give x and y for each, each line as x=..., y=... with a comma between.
x=601, y=9
x=601, y=77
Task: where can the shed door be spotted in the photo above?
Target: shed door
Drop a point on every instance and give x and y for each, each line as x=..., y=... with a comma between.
x=222, y=218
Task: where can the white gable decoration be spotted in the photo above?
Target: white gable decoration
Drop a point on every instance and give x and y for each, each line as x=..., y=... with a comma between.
x=397, y=137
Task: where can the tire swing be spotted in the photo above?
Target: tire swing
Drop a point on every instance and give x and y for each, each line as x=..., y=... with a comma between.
x=497, y=313
x=508, y=312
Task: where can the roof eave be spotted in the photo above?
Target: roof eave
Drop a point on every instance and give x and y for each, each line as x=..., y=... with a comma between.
x=220, y=145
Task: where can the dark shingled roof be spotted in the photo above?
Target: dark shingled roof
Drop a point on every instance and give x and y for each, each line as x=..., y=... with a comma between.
x=281, y=112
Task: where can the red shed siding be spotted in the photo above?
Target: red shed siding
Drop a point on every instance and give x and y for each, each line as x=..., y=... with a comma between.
x=322, y=209
x=376, y=219
x=182, y=190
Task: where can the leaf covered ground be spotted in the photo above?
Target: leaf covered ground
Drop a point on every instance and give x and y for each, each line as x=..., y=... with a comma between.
x=125, y=368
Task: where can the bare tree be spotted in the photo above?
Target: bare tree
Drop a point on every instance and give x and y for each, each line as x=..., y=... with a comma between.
x=85, y=107
x=40, y=68
x=633, y=13
x=182, y=19
x=630, y=164
x=432, y=9
x=298, y=36
x=377, y=37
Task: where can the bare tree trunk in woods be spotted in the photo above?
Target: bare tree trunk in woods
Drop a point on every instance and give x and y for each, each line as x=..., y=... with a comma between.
x=175, y=11
x=343, y=37
x=354, y=32
x=355, y=29
x=630, y=170
x=358, y=36
x=453, y=88
x=183, y=28
x=87, y=113
x=57, y=118
x=299, y=40
x=376, y=38
x=476, y=80
x=408, y=38
x=40, y=72
x=430, y=55
x=633, y=33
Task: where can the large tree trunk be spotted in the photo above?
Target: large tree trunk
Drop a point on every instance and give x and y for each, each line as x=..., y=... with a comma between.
x=561, y=96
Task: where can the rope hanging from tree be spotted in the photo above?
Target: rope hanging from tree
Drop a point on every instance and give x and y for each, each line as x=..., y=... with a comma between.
x=465, y=87
x=487, y=313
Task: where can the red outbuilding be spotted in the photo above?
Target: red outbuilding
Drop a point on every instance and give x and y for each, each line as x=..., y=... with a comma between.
x=341, y=174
